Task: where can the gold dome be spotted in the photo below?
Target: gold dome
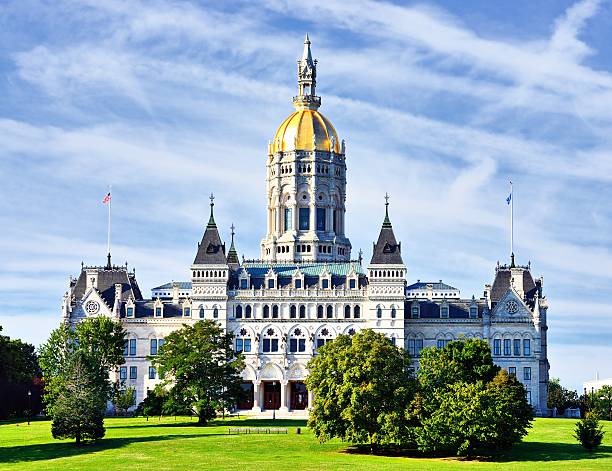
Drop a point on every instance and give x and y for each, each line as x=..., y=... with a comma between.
x=303, y=127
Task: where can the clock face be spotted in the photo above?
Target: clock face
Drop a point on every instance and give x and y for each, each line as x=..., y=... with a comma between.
x=512, y=306
x=92, y=307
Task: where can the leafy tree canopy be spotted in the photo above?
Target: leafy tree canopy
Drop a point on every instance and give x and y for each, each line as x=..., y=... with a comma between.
x=18, y=361
x=560, y=397
x=361, y=386
x=201, y=368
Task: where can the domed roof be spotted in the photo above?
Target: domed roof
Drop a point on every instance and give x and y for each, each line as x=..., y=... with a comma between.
x=301, y=129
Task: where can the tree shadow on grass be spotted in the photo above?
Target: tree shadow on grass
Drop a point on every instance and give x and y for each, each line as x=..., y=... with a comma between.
x=526, y=451
x=49, y=451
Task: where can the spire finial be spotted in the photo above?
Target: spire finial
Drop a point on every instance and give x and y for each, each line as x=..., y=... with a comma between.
x=307, y=80
x=360, y=255
x=232, y=227
x=211, y=220
x=387, y=221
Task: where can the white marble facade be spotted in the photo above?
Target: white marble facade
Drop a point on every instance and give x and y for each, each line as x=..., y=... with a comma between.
x=305, y=289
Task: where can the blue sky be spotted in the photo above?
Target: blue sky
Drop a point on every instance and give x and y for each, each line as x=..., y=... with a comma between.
x=440, y=104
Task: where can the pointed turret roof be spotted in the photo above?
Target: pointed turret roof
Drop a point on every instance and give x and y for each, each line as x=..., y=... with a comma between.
x=387, y=251
x=211, y=251
x=232, y=255
x=307, y=55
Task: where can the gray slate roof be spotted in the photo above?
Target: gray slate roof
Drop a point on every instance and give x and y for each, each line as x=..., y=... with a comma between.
x=387, y=251
x=436, y=285
x=211, y=251
x=501, y=284
x=106, y=284
x=456, y=309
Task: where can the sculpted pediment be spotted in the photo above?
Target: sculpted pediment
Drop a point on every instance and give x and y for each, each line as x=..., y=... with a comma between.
x=92, y=305
x=511, y=305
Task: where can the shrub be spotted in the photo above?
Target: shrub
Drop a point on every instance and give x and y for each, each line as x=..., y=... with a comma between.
x=588, y=431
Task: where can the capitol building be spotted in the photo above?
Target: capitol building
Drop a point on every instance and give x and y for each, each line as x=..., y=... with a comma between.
x=307, y=287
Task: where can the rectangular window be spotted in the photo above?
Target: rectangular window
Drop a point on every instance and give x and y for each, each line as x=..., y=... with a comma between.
x=527, y=373
x=288, y=219
x=512, y=370
x=320, y=342
x=301, y=345
x=244, y=283
x=441, y=343
x=507, y=346
x=444, y=312
x=130, y=312
x=352, y=284
x=298, y=284
x=274, y=346
x=473, y=312
x=529, y=397
x=158, y=312
x=526, y=347
x=497, y=347
x=411, y=347
x=266, y=345
x=239, y=345
x=133, y=372
x=187, y=312
x=418, y=346
x=160, y=344
x=325, y=284
x=271, y=283
x=415, y=312
x=132, y=347
x=125, y=348
x=293, y=345
x=247, y=345
x=517, y=347
x=320, y=219
x=123, y=372
x=153, y=346
x=152, y=372
x=304, y=216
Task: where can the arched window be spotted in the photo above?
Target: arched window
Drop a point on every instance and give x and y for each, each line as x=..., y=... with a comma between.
x=297, y=341
x=330, y=311
x=293, y=312
x=270, y=340
x=275, y=311
x=379, y=312
x=347, y=311
x=319, y=312
x=215, y=312
x=201, y=312
x=357, y=312
x=266, y=311
x=239, y=312
x=302, y=312
x=393, y=313
x=248, y=312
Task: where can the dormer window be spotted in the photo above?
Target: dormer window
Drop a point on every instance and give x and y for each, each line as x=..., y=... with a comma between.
x=244, y=283
x=444, y=312
x=297, y=283
x=415, y=311
x=158, y=312
x=186, y=311
x=129, y=312
x=271, y=283
x=325, y=284
x=352, y=283
x=473, y=312
x=201, y=312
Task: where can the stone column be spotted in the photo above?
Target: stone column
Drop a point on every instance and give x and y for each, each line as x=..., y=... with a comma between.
x=310, y=399
x=283, y=404
x=256, y=396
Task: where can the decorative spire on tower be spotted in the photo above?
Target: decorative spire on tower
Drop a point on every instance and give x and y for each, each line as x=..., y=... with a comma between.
x=211, y=220
x=387, y=221
x=387, y=250
x=232, y=256
x=307, y=80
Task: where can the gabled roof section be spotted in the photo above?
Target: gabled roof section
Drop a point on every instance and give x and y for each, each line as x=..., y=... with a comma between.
x=387, y=251
x=211, y=251
x=107, y=278
x=503, y=282
x=232, y=255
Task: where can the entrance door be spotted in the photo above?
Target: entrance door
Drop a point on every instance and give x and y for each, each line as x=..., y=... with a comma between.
x=246, y=399
x=299, y=396
x=272, y=395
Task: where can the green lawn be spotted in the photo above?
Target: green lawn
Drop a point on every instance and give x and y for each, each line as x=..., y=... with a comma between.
x=169, y=444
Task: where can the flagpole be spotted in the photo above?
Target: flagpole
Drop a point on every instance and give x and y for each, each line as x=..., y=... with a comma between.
x=108, y=238
x=511, y=224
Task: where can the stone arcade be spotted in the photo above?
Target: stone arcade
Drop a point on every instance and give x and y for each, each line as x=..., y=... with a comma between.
x=306, y=289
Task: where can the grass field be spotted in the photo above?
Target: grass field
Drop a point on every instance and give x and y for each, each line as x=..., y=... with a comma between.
x=169, y=444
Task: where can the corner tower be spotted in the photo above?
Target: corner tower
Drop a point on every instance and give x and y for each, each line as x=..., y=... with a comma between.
x=306, y=181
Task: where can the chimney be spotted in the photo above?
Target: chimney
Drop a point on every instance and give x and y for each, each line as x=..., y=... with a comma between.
x=175, y=292
x=117, y=306
x=92, y=278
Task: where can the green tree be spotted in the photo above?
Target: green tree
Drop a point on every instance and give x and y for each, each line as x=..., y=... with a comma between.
x=199, y=365
x=95, y=346
x=361, y=385
x=124, y=398
x=99, y=338
x=560, y=397
x=78, y=409
x=466, y=404
x=588, y=431
x=601, y=402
